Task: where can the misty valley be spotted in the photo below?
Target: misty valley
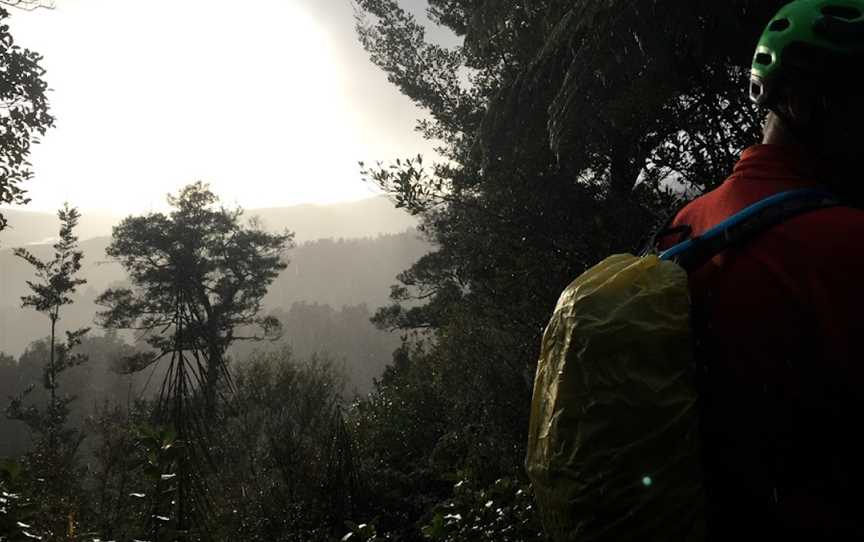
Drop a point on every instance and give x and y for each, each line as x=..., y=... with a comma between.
x=324, y=301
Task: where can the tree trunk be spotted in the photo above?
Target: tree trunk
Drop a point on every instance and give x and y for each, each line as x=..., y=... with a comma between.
x=52, y=383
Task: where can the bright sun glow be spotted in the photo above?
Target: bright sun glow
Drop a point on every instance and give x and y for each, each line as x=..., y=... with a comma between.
x=153, y=94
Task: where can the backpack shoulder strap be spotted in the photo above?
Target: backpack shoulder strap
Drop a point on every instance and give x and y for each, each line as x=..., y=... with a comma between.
x=742, y=226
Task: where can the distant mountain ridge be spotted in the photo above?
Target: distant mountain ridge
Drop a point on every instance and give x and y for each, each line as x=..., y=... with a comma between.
x=356, y=219
x=34, y=227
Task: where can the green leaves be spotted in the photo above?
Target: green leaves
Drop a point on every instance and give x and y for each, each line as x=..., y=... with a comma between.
x=23, y=99
x=363, y=532
x=425, y=72
x=16, y=509
x=502, y=512
x=159, y=449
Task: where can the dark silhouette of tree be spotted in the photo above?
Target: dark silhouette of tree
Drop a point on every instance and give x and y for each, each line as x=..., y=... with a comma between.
x=24, y=114
x=198, y=275
x=53, y=456
x=569, y=129
x=55, y=282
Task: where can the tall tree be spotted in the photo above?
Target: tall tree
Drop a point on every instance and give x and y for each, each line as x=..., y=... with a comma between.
x=567, y=128
x=56, y=281
x=198, y=275
x=24, y=114
x=53, y=456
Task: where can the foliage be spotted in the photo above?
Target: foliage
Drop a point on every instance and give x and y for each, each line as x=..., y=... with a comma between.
x=58, y=275
x=135, y=476
x=24, y=114
x=197, y=275
x=363, y=532
x=346, y=336
x=52, y=461
x=161, y=456
x=16, y=515
x=502, y=512
x=94, y=384
x=567, y=131
x=55, y=283
x=276, y=449
x=400, y=484
x=118, y=484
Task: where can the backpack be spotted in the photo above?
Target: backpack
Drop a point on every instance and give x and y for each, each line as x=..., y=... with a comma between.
x=613, y=446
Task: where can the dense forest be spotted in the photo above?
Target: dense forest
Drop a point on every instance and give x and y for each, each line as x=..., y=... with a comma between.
x=199, y=407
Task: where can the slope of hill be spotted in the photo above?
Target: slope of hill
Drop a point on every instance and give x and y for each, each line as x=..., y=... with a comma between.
x=30, y=227
x=329, y=272
x=357, y=219
x=354, y=219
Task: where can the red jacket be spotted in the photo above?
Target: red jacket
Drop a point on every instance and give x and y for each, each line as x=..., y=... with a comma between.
x=780, y=325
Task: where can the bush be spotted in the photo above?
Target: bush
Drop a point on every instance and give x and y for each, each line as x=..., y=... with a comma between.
x=503, y=512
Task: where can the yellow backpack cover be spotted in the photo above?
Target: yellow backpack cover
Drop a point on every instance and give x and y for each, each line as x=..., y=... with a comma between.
x=614, y=446
x=612, y=397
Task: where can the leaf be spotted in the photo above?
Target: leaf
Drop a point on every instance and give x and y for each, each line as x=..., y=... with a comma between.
x=437, y=529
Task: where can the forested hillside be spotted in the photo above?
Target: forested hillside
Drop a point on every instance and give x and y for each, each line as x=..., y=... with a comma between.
x=333, y=282
x=559, y=126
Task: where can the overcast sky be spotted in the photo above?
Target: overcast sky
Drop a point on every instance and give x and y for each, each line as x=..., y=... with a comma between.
x=271, y=101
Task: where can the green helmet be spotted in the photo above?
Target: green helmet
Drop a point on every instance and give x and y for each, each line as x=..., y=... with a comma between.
x=816, y=44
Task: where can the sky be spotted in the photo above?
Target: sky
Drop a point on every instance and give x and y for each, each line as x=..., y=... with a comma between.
x=272, y=102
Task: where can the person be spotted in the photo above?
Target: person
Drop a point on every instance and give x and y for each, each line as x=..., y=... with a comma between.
x=779, y=320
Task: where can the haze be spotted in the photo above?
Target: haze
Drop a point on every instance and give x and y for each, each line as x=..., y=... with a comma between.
x=272, y=102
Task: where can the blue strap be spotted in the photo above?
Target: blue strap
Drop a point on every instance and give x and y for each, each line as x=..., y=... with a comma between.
x=742, y=225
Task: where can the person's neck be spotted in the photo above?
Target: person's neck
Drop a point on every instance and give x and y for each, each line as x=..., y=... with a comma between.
x=834, y=173
x=776, y=132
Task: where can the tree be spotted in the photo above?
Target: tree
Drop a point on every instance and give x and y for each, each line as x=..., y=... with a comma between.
x=53, y=456
x=197, y=276
x=56, y=282
x=24, y=113
x=274, y=464
x=566, y=127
